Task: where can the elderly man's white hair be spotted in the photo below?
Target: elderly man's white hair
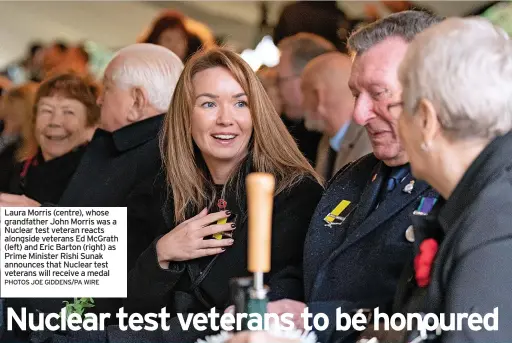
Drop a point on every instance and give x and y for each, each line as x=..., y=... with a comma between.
x=464, y=67
x=149, y=66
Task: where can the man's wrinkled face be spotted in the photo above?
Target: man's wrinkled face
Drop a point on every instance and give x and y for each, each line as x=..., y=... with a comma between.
x=115, y=102
x=375, y=86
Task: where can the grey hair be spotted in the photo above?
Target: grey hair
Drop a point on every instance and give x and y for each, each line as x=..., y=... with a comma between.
x=304, y=47
x=406, y=24
x=152, y=67
x=468, y=84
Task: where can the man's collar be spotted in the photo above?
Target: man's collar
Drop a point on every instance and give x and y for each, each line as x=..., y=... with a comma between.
x=335, y=142
x=138, y=133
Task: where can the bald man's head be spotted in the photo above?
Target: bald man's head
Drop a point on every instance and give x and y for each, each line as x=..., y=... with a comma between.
x=324, y=84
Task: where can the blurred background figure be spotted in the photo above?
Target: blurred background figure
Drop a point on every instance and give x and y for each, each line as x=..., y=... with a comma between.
x=75, y=61
x=53, y=56
x=268, y=78
x=177, y=33
x=323, y=18
x=328, y=99
x=296, y=52
x=15, y=112
x=29, y=68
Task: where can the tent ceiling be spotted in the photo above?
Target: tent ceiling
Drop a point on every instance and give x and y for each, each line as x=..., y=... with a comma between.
x=118, y=23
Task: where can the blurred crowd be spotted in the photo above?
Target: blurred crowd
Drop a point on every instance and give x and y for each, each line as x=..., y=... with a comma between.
x=374, y=148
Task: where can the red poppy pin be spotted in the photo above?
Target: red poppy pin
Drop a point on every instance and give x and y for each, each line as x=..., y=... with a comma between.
x=424, y=260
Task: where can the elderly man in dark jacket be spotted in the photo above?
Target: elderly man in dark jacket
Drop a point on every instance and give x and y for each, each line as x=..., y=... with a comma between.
x=138, y=87
x=359, y=238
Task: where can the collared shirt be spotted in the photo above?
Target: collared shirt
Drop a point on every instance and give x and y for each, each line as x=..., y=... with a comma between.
x=335, y=142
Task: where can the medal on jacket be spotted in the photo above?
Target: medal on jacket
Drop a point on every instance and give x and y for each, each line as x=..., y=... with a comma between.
x=221, y=204
x=409, y=187
x=426, y=205
x=334, y=218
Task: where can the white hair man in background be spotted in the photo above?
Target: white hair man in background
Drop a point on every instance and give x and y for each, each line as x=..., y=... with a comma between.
x=138, y=84
x=123, y=154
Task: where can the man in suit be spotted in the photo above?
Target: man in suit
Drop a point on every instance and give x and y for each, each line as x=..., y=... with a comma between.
x=360, y=238
x=328, y=99
x=296, y=52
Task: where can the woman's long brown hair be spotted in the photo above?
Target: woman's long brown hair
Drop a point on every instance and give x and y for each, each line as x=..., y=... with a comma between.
x=271, y=148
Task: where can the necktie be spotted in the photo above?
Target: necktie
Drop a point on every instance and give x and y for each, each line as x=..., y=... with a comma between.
x=394, y=179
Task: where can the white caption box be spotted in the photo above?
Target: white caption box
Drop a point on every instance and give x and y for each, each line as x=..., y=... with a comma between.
x=61, y=252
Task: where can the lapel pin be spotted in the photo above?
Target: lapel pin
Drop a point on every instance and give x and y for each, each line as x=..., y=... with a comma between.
x=374, y=177
x=409, y=234
x=409, y=187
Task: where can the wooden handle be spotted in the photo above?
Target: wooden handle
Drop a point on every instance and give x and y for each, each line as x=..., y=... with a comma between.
x=260, y=200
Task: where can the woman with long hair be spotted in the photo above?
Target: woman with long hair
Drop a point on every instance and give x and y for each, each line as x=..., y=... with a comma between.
x=220, y=127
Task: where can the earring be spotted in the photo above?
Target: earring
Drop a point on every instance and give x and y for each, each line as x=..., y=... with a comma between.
x=425, y=146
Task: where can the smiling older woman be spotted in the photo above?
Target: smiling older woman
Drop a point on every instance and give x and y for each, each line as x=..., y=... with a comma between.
x=455, y=124
x=62, y=123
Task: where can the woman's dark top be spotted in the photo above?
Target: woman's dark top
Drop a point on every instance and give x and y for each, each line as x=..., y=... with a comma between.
x=45, y=181
x=7, y=163
x=198, y=285
x=472, y=270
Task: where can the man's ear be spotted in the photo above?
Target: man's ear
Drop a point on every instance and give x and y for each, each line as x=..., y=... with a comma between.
x=140, y=102
x=428, y=121
x=319, y=95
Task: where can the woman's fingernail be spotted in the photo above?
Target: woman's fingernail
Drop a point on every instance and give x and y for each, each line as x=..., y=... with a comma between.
x=233, y=225
x=223, y=249
x=228, y=213
x=231, y=241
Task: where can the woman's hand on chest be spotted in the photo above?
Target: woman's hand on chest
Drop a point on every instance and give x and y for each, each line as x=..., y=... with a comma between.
x=187, y=240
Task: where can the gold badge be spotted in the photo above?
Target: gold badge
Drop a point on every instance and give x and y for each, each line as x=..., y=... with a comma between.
x=334, y=218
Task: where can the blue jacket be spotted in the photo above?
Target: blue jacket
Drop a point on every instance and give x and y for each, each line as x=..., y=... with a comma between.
x=357, y=264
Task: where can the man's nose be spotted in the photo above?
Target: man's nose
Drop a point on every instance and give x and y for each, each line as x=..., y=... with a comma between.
x=362, y=110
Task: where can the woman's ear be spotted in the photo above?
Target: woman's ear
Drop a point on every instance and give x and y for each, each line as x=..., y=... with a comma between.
x=428, y=121
x=140, y=103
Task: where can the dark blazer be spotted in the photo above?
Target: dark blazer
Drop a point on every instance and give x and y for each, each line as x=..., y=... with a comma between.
x=114, y=164
x=471, y=272
x=357, y=264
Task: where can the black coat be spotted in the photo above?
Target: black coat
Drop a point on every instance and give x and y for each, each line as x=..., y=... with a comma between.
x=472, y=269
x=358, y=264
x=45, y=181
x=151, y=288
x=114, y=164
x=8, y=165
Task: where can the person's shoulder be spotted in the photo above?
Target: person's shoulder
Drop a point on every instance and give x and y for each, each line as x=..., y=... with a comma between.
x=307, y=186
x=488, y=217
